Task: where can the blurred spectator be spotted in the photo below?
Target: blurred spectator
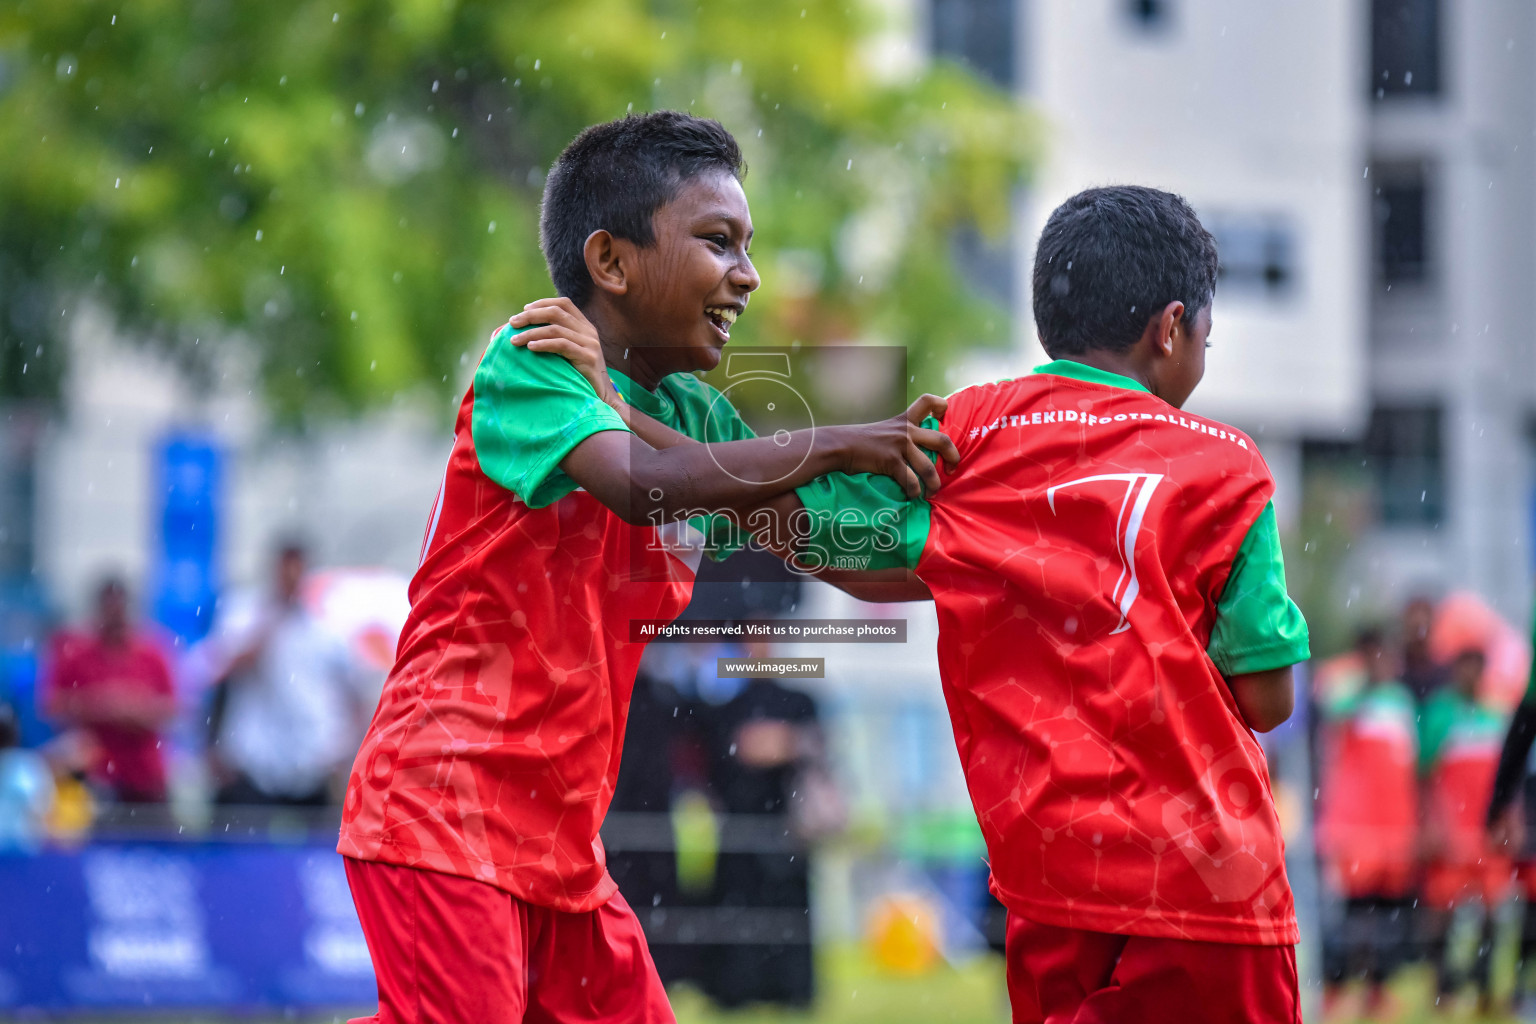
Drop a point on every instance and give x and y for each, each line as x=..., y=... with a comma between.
x=286, y=702
x=26, y=790
x=1421, y=673
x=768, y=760
x=1459, y=742
x=1368, y=815
x=112, y=685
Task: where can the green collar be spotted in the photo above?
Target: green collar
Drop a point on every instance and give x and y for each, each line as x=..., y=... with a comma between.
x=1090, y=374
x=652, y=403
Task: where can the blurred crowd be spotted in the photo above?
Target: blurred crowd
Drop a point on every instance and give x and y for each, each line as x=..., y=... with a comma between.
x=1418, y=864
x=266, y=710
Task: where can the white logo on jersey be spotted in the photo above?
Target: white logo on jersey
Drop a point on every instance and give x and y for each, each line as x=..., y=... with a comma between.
x=1140, y=487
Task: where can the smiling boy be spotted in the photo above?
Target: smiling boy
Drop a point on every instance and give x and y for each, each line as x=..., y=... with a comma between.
x=471, y=819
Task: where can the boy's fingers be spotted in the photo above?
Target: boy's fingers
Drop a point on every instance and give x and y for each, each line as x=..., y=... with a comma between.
x=539, y=334
x=925, y=406
x=559, y=346
x=937, y=442
x=538, y=313
x=926, y=470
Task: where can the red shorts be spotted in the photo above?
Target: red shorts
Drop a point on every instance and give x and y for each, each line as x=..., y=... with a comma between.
x=447, y=950
x=1066, y=976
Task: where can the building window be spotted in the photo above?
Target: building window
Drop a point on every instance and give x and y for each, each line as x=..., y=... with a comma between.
x=978, y=34
x=1257, y=252
x=1401, y=455
x=1404, y=446
x=1402, y=459
x=1149, y=14
x=1405, y=48
x=1402, y=234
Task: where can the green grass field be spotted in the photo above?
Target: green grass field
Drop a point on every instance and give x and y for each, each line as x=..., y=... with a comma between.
x=852, y=990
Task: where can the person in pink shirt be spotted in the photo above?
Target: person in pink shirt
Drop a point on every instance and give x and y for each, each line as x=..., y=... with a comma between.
x=112, y=684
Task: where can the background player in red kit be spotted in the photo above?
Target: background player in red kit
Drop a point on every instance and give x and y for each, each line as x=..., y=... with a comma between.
x=1114, y=625
x=1460, y=737
x=471, y=819
x=1367, y=817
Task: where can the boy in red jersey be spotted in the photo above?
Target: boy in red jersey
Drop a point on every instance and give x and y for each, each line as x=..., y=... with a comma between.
x=1460, y=738
x=471, y=819
x=1368, y=817
x=1114, y=625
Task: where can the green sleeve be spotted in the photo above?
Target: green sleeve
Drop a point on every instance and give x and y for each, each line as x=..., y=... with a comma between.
x=1258, y=626
x=530, y=409
x=863, y=521
x=1435, y=724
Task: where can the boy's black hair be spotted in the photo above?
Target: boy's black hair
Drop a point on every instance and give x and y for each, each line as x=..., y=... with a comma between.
x=1110, y=259
x=615, y=176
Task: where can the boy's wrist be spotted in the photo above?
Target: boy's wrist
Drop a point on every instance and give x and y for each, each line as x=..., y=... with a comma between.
x=838, y=445
x=611, y=397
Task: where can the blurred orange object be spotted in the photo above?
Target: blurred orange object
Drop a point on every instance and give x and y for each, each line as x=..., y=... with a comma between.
x=1463, y=620
x=904, y=933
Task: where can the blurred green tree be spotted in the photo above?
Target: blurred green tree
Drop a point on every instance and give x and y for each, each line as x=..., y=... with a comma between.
x=352, y=186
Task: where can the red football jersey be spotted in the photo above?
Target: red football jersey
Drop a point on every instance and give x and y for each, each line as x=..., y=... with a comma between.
x=1368, y=810
x=495, y=746
x=1077, y=556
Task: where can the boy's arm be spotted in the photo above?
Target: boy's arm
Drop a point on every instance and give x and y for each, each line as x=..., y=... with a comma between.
x=643, y=484
x=1265, y=699
x=772, y=522
x=1259, y=632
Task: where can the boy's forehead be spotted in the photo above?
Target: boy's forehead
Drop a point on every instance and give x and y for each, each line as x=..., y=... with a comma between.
x=709, y=197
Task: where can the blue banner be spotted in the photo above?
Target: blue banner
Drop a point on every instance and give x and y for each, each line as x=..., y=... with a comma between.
x=139, y=925
x=190, y=491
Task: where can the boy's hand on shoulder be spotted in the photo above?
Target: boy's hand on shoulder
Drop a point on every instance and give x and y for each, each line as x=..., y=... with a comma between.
x=564, y=331
x=897, y=447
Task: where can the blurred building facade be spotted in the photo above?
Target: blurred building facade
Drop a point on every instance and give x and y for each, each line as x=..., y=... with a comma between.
x=1367, y=168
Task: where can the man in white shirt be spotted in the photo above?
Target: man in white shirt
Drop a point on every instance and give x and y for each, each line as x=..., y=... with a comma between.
x=287, y=704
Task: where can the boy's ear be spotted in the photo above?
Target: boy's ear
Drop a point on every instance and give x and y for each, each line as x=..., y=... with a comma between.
x=1171, y=320
x=607, y=261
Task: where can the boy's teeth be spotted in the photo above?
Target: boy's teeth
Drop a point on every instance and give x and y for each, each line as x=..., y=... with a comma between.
x=726, y=313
